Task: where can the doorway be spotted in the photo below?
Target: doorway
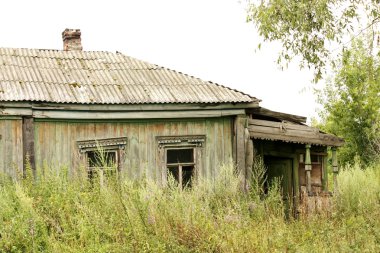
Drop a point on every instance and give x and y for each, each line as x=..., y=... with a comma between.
x=281, y=168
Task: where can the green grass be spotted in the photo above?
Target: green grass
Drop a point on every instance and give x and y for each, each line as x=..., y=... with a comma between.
x=58, y=213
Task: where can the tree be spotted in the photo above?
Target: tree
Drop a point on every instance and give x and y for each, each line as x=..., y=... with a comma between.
x=351, y=102
x=309, y=28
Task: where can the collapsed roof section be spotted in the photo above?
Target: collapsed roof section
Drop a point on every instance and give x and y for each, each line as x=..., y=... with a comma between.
x=275, y=126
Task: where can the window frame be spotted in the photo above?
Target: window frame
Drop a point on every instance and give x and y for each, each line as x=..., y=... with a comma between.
x=117, y=145
x=180, y=165
x=165, y=143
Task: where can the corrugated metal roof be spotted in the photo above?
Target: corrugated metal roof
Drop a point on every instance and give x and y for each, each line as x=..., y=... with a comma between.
x=91, y=77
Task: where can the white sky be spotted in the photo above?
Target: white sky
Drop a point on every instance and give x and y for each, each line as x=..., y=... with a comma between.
x=208, y=39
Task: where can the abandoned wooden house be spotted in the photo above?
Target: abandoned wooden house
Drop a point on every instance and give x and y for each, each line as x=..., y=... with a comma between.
x=57, y=107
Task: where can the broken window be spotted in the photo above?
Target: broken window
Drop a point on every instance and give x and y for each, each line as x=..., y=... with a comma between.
x=103, y=157
x=180, y=165
x=105, y=161
x=181, y=158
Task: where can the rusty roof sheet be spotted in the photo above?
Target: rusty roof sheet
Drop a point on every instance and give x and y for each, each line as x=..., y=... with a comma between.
x=94, y=77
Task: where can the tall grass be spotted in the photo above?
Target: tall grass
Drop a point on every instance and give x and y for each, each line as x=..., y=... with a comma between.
x=58, y=213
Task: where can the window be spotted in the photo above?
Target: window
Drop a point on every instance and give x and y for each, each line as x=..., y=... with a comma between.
x=104, y=160
x=181, y=158
x=180, y=164
x=103, y=155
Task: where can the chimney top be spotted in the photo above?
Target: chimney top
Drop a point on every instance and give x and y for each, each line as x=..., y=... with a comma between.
x=71, y=39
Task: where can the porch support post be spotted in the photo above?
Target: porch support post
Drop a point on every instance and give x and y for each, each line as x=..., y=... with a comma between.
x=240, y=143
x=248, y=159
x=308, y=168
x=335, y=168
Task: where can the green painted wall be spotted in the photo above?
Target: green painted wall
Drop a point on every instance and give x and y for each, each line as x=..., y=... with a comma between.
x=11, y=146
x=55, y=142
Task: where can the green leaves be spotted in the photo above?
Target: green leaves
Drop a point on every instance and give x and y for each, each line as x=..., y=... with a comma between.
x=308, y=28
x=351, y=102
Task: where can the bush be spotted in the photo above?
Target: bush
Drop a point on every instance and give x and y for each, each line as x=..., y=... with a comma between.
x=58, y=213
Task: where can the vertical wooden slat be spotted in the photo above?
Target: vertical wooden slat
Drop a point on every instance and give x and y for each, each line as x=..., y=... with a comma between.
x=2, y=153
x=210, y=138
x=335, y=168
x=240, y=143
x=325, y=182
x=308, y=168
x=143, y=166
x=28, y=142
x=134, y=150
x=18, y=146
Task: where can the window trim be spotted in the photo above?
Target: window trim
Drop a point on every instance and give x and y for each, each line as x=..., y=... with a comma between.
x=113, y=144
x=195, y=142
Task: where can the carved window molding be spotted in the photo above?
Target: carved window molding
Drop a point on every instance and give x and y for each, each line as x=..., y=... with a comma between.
x=110, y=148
x=173, y=145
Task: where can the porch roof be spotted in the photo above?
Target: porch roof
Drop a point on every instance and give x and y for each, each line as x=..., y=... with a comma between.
x=291, y=132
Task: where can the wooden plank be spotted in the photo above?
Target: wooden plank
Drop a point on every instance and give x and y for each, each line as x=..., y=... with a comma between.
x=296, y=184
x=2, y=152
x=143, y=152
x=65, y=145
x=278, y=115
x=134, y=115
x=134, y=107
x=124, y=131
x=278, y=131
x=249, y=162
x=15, y=112
x=325, y=183
x=151, y=152
x=28, y=142
x=210, y=138
x=8, y=146
x=134, y=150
x=297, y=139
x=240, y=143
x=283, y=125
x=59, y=150
x=18, y=143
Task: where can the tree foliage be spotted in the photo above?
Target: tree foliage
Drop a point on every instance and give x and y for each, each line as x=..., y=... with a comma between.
x=351, y=102
x=307, y=28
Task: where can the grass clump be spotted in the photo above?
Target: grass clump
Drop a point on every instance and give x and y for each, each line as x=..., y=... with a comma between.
x=58, y=213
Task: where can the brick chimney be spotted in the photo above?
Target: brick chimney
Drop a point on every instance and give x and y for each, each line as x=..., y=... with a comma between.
x=71, y=39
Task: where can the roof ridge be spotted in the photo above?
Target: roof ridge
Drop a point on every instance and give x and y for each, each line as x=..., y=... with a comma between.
x=48, y=73
x=179, y=72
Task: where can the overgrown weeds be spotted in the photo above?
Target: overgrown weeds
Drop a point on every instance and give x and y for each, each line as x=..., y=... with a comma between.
x=59, y=213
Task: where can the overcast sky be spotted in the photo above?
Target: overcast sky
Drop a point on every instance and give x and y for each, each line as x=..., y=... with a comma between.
x=208, y=39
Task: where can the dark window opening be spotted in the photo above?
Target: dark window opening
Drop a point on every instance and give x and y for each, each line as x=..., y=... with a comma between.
x=180, y=156
x=104, y=161
x=180, y=165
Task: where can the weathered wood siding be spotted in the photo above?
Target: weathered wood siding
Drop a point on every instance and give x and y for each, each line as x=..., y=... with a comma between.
x=11, y=146
x=55, y=142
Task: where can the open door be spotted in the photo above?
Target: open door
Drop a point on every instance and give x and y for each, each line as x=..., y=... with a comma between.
x=279, y=167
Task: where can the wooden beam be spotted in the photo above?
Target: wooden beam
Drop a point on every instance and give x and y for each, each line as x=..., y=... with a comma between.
x=51, y=114
x=294, y=139
x=249, y=160
x=325, y=185
x=240, y=139
x=277, y=115
x=15, y=111
x=143, y=107
x=335, y=168
x=308, y=168
x=28, y=143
